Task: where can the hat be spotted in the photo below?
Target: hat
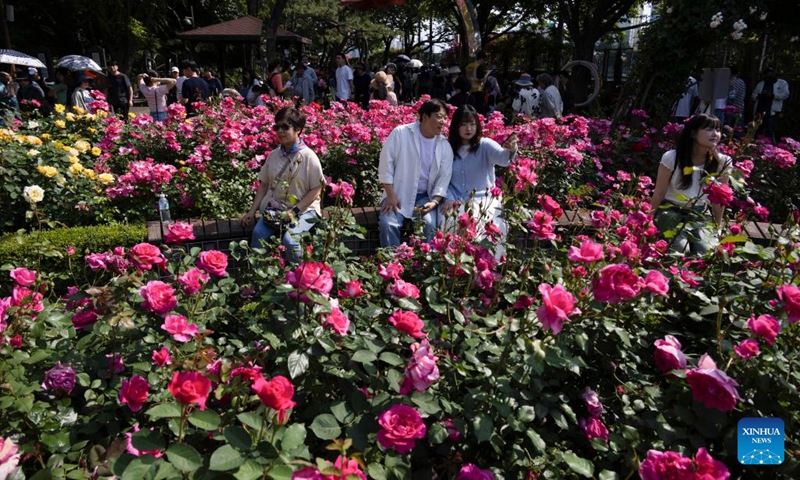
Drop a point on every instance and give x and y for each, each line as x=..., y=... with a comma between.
x=174, y=69
x=524, y=80
x=22, y=75
x=381, y=77
x=392, y=65
x=32, y=71
x=453, y=69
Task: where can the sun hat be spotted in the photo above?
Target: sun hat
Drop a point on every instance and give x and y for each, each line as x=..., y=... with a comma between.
x=32, y=71
x=381, y=77
x=174, y=69
x=524, y=80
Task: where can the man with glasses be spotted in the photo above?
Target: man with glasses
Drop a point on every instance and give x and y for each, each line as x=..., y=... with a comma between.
x=415, y=167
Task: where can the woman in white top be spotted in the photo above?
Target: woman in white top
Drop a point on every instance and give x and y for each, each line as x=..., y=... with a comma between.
x=678, y=196
x=155, y=91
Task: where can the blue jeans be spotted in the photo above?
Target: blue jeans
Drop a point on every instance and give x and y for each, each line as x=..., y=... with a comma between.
x=159, y=116
x=389, y=224
x=291, y=234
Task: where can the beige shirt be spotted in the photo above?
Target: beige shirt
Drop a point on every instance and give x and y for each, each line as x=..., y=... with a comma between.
x=303, y=174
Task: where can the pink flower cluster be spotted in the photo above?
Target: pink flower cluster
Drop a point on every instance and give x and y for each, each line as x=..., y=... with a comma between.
x=672, y=465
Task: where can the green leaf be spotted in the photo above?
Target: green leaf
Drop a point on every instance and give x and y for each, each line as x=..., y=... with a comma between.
x=225, y=458
x=249, y=471
x=147, y=440
x=252, y=420
x=579, y=465
x=165, y=410
x=293, y=437
x=238, y=438
x=205, y=419
x=364, y=356
x=392, y=359
x=282, y=472
x=376, y=471
x=184, y=457
x=325, y=427
x=608, y=475
x=297, y=363
x=734, y=239
x=437, y=433
x=140, y=468
x=483, y=426
x=538, y=441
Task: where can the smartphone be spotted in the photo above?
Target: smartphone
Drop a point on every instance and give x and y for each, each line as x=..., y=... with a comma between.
x=513, y=134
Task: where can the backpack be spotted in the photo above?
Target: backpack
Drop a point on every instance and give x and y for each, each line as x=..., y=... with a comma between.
x=270, y=88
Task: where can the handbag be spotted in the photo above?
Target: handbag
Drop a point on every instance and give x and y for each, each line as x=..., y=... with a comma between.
x=273, y=217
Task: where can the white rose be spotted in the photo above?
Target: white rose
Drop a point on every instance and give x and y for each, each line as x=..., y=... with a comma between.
x=33, y=194
x=33, y=152
x=763, y=16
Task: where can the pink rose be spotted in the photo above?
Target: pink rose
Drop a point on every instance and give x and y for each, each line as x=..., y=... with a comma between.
x=349, y=467
x=134, y=392
x=342, y=190
x=706, y=468
x=401, y=427
x=390, y=271
x=158, y=297
x=747, y=348
x=189, y=388
x=402, y=289
x=213, y=262
x=790, y=295
x=9, y=458
x=712, y=386
x=276, y=394
x=97, y=261
x=550, y=206
x=193, y=280
x=655, y=282
x=421, y=370
x=308, y=473
x=352, y=290
x=765, y=326
x=588, y=252
x=23, y=276
x=179, y=232
x=161, y=357
x=452, y=430
x=472, y=472
x=665, y=466
x=592, y=402
x=557, y=305
x=718, y=193
x=594, y=428
x=26, y=299
x=616, y=283
x=144, y=256
x=668, y=355
x=337, y=320
x=407, y=322
x=541, y=226
x=179, y=327
x=311, y=276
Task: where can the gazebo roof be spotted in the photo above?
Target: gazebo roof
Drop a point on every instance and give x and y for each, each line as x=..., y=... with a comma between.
x=244, y=29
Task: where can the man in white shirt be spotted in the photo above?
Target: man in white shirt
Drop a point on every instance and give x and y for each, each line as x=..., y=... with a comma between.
x=683, y=107
x=415, y=167
x=344, y=79
x=550, y=103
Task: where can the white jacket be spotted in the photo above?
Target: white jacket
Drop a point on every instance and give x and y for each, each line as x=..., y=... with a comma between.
x=781, y=91
x=400, y=166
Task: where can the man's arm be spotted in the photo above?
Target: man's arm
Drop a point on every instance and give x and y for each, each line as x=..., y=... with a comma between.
x=386, y=168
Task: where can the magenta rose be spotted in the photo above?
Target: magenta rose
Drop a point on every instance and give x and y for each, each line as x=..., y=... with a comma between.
x=311, y=276
x=337, y=320
x=276, y=394
x=668, y=355
x=352, y=290
x=706, y=468
x=161, y=357
x=179, y=232
x=541, y=226
x=348, y=466
x=592, y=402
x=401, y=427
x=747, y=348
x=192, y=280
x=472, y=472
x=390, y=271
x=342, y=190
x=60, y=378
x=213, y=262
x=97, y=261
x=179, y=327
x=557, y=305
x=550, y=206
x=790, y=295
x=719, y=193
x=24, y=298
x=712, y=386
x=158, y=297
x=655, y=282
x=134, y=392
x=616, y=284
x=402, y=289
x=421, y=370
x=665, y=466
x=407, y=322
x=145, y=256
x=765, y=326
x=594, y=428
x=84, y=319
x=588, y=252
x=189, y=388
x=23, y=276
x=308, y=473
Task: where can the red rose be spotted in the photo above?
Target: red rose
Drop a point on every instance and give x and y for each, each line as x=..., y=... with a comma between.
x=408, y=322
x=213, y=262
x=134, y=392
x=276, y=394
x=189, y=388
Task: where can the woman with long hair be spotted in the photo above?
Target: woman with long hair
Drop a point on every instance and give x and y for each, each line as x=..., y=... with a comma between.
x=678, y=197
x=473, y=177
x=155, y=90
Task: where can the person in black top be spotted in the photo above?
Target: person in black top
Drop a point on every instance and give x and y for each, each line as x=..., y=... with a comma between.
x=195, y=89
x=119, y=93
x=361, y=81
x=214, y=85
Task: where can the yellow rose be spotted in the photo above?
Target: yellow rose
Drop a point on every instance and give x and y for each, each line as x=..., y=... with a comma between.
x=60, y=123
x=131, y=115
x=45, y=136
x=91, y=130
x=47, y=171
x=59, y=108
x=96, y=151
x=73, y=159
x=73, y=152
x=105, y=178
x=82, y=146
x=61, y=180
x=33, y=140
x=89, y=173
x=101, y=114
x=76, y=168
x=33, y=152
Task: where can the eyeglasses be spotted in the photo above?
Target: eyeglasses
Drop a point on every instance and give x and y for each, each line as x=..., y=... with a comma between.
x=281, y=126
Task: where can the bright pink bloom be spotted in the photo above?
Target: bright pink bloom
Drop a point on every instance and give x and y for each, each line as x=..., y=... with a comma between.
x=790, y=295
x=134, y=392
x=352, y=289
x=179, y=232
x=390, y=271
x=97, y=261
x=27, y=299
x=594, y=428
x=23, y=276
x=401, y=427
x=311, y=276
x=308, y=473
x=712, y=386
x=407, y=322
x=193, y=280
x=655, y=282
x=213, y=262
x=550, y=206
x=342, y=190
x=668, y=354
x=452, y=430
x=145, y=256
x=765, y=326
x=402, y=289
x=421, y=370
x=588, y=252
x=189, y=388
x=349, y=467
x=541, y=226
x=161, y=357
x=706, y=468
x=718, y=193
x=179, y=327
x=276, y=394
x=666, y=466
x=747, y=348
x=337, y=320
x=158, y=297
x=592, y=402
x=557, y=305
x=472, y=472
x=616, y=284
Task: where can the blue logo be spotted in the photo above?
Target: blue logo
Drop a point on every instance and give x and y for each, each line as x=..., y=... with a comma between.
x=760, y=441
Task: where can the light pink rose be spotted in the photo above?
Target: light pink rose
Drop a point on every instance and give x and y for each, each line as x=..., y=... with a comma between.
x=134, y=392
x=158, y=297
x=390, y=271
x=179, y=232
x=594, y=428
x=9, y=458
x=402, y=289
x=712, y=386
x=421, y=370
x=193, y=280
x=179, y=327
x=592, y=402
x=765, y=326
x=472, y=472
x=213, y=262
x=557, y=305
x=145, y=256
x=588, y=252
x=747, y=348
x=790, y=295
x=655, y=282
x=616, y=284
x=401, y=427
x=338, y=321
x=407, y=322
x=668, y=355
x=23, y=276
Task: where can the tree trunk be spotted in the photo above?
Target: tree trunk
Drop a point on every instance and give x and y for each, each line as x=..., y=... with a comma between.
x=268, y=33
x=581, y=76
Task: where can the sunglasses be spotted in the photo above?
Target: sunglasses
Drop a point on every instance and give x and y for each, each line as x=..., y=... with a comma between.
x=281, y=126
